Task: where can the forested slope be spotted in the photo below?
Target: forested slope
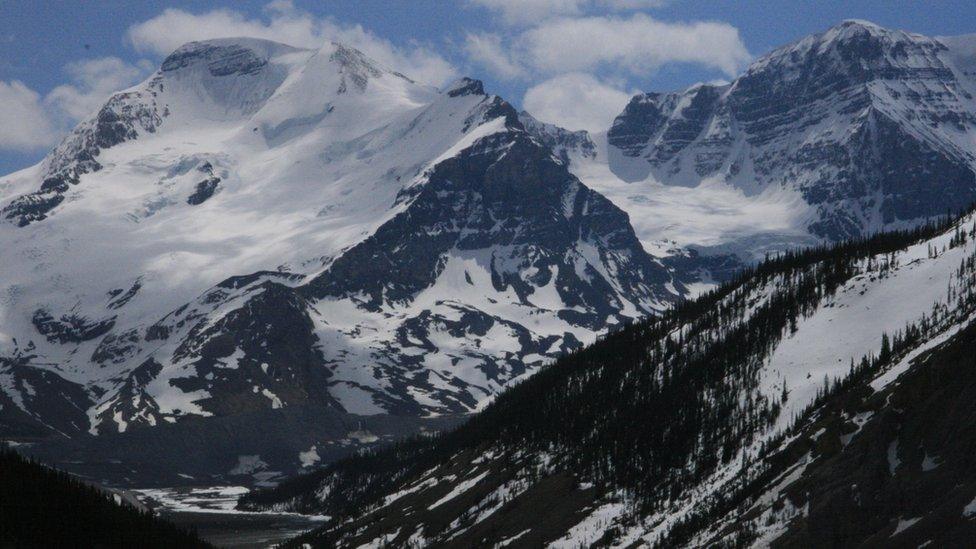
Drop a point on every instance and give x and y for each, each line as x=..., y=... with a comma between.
x=660, y=429
x=43, y=507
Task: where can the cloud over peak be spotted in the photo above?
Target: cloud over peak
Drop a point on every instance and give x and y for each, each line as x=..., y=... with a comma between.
x=635, y=45
x=283, y=22
x=29, y=121
x=585, y=52
x=23, y=123
x=531, y=12
x=93, y=81
x=576, y=101
x=638, y=44
x=575, y=60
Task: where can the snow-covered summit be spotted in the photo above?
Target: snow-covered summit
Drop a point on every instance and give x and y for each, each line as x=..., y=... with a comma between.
x=465, y=86
x=227, y=56
x=838, y=135
x=857, y=47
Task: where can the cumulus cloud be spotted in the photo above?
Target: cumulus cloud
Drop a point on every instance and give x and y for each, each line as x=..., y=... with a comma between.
x=93, y=81
x=528, y=12
x=24, y=124
x=283, y=22
x=576, y=101
x=622, y=5
x=567, y=43
x=638, y=44
x=486, y=50
x=29, y=121
x=174, y=27
x=634, y=45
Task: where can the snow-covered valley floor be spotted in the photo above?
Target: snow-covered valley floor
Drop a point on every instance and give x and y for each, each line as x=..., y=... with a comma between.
x=210, y=511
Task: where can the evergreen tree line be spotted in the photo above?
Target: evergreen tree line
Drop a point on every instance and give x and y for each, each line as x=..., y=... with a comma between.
x=653, y=408
x=757, y=471
x=44, y=507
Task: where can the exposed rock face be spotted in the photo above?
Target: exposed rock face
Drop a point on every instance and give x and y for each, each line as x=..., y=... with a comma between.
x=507, y=198
x=868, y=124
x=129, y=114
x=70, y=328
x=562, y=141
x=37, y=401
x=220, y=59
x=206, y=188
x=257, y=228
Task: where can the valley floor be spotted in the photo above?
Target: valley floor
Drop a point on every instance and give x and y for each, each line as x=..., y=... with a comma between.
x=242, y=530
x=210, y=513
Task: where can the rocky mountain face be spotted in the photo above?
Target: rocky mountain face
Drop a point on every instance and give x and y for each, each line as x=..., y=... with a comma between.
x=258, y=227
x=565, y=143
x=872, y=128
x=820, y=400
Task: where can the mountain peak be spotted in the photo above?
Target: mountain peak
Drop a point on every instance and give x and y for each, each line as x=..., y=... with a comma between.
x=859, y=29
x=465, y=86
x=350, y=57
x=855, y=44
x=864, y=100
x=224, y=56
x=859, y=24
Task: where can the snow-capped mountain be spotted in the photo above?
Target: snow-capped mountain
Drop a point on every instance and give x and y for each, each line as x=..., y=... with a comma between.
x=258, y=226
x=836, y=379
x=839, y=135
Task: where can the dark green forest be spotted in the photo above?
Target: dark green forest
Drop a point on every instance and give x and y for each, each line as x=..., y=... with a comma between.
x=44, y=507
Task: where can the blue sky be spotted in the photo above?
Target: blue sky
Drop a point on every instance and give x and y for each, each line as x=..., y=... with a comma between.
x=574, y=62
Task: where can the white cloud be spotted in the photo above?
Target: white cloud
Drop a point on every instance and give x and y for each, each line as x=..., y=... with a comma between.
x=569, y=42
x=637, y=44
x=174, y=27
x=486, y=49
x=576, y=101
x=30, y=122
x=285, y=23
x=532, y=12
x=94, y=80
x=528, y=11
x=24, y=125
x=624, y=5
